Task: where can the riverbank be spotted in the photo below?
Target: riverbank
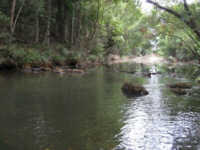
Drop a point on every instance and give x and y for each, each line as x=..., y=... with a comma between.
x=46, y=58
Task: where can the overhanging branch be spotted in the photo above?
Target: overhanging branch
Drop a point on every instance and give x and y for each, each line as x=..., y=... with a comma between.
x=191, y=23
x=193, y=50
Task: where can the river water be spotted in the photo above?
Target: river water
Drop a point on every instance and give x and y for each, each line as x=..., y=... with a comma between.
x=49, y=111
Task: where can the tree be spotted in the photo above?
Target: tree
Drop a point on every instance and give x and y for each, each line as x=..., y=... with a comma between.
x=47, y=34
x=190, y=20
x=13, y=19
x=36, y=21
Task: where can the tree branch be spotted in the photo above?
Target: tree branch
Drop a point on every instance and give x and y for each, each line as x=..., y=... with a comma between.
x=190, y=23
x=188, y=34
x=193, y=50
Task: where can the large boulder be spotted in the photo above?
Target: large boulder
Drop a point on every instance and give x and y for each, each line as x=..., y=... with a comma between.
x=134, y=89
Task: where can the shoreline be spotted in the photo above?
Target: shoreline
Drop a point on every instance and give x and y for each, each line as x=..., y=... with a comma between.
x=113, y=59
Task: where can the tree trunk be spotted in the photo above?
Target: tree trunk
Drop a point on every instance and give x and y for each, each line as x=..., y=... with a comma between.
x=12, y=14
x=65, y=29
x=37, y=22
x=47, y=35
x=65, y=33
x=93, y=34
x=59, y=16
x=72, y=32
x=80, y=23
x=18, y=13
x=13, y=21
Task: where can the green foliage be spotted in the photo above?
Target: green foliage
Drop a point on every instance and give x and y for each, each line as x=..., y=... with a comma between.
x=94, y=29
x=92, y=58
x=4, y=19
x=58, y=60
x=6, y=38
x=22, y=56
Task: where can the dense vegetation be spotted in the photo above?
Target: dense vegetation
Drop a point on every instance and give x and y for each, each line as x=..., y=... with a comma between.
x=58, y=32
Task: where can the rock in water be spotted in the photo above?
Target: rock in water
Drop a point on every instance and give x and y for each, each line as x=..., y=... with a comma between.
x=183, y=85
x=59, y=70
x=134, y=89
x=179, y=91
x=78, y=71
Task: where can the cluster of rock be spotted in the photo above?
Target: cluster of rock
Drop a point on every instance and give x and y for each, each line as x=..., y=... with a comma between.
x=59, y=70
x=179, y=87
x=56, y=70
x=133, y=89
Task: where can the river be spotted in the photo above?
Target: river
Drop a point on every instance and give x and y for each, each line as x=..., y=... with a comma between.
x=49, y=111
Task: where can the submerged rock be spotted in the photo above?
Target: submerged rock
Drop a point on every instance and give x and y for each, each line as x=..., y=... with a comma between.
x=124, y=71
x=58, y=70
x=45, y=69
x=146, y=74
x=179, y=91
x=134, y=89
x=75, y=71
x=183, y=85
x=156, y=73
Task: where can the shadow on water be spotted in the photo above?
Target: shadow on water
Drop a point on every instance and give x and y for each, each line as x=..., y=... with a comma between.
x=69, y=112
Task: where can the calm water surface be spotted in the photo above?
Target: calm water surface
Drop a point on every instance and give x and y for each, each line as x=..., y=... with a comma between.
x=90, y=112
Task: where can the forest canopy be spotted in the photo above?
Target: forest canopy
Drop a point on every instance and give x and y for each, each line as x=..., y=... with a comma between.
x=59, y=31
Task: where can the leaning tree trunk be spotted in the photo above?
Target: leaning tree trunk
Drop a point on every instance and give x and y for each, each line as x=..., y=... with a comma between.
x=47, y=35
x=13, y=21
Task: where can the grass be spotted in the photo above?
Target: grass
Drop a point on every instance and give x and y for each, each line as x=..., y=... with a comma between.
x=22, y=57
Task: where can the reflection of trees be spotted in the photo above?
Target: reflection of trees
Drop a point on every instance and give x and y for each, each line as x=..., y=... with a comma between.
x=90, y=111
x=101, y=131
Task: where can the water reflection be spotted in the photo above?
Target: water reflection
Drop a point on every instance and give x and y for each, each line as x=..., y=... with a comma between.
x=149, y=123
x=145, y=126
x=90, y=112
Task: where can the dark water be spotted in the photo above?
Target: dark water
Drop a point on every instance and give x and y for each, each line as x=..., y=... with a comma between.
x=89, y=112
